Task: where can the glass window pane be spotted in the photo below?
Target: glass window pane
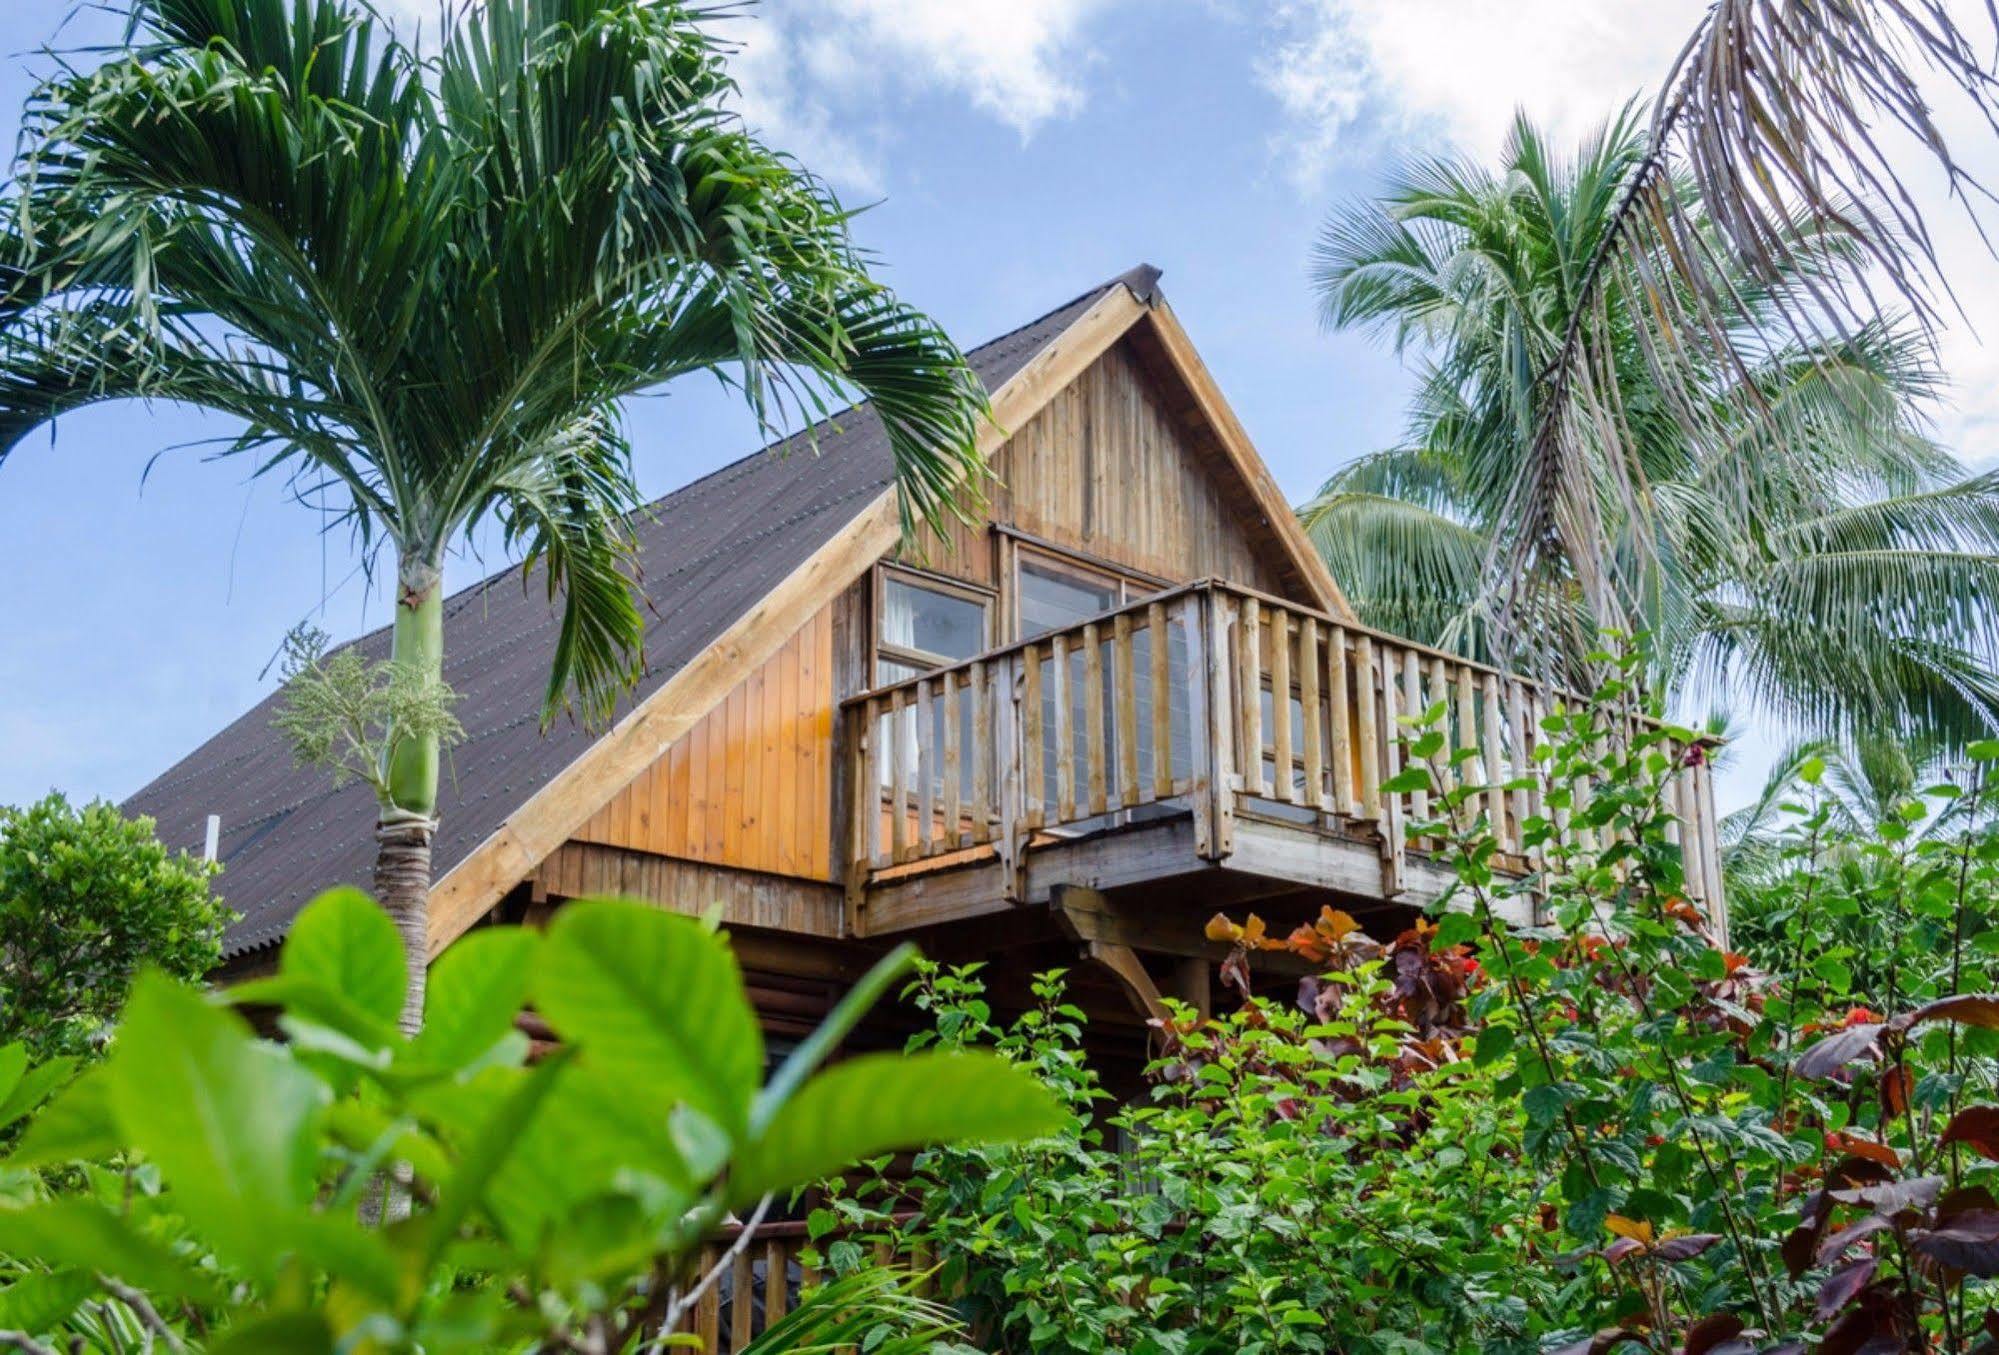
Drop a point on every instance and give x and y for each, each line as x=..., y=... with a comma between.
x=930, y=620
x=1050, y=599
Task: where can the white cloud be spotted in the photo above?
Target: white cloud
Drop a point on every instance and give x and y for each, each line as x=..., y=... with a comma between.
x=1358, y=75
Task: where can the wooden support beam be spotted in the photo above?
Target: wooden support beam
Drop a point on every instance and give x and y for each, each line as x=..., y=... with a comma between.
x=1193, y=984
x=1124, y=963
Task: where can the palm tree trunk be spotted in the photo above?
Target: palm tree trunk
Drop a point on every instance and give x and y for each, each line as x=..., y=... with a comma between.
x=408, y=819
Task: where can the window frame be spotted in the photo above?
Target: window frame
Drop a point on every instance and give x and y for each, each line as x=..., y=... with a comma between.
x=1132, y=585
x=880, y=651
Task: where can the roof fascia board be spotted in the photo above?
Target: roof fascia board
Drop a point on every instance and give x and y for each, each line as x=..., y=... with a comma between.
x=552, y=814
x=1248, y=462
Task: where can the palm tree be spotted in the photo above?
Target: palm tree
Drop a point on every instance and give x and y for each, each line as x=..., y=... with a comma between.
x=1809, y=552
x=424, y=286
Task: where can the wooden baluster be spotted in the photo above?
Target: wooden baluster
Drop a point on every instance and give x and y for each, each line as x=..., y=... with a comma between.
x=1440, y=693
x=1394, y=821
x=1339, y=714
x=1161, y=652
x=1523, y=760
x=1210, y=711
x=1414, y=708
x=898, y=821
x=865, y=831
x=926, y=770
x=1005, y=686
x=777, y=1282
x=708, y=1308
x=947, y=715
x=1308, y=700
x=1492, y=741
x=1280, y=705
x=1124, y=717
x=1368, y=737
x=808, y=1276
x=1468, y=769
x=1710, y=856
x=742, y=1300
x=1249, y=686
x=1093, y=719
x=984, y=733
x=1065, y=736
x=1034, y=782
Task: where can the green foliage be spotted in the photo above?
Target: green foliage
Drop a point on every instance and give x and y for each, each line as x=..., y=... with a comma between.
x=339, y=709
x=553, y=1204
x=1298, y=1180
x=1606, y=1128
x=87, y=897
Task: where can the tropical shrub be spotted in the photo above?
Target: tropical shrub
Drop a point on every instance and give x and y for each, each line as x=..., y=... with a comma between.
x=1606, y=1130
x=87, y=898
x=549, y=1204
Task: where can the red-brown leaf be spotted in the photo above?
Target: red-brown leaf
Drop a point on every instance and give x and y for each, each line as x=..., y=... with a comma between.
x=1603, y=1341
x=1835, y=1246
x=1867, y=1148
x=1623, y=1247
x=1836, y=1051
x=1710, y=1332
x=1893, y=1197
x=1968, y=1242
x=1842, y=1285
x=1967, y=1009
x=1685, y=1247
x=1976, y=1127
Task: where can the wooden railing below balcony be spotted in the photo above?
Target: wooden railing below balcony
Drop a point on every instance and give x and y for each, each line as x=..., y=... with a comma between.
x=763, y=1278
x=1171, y=705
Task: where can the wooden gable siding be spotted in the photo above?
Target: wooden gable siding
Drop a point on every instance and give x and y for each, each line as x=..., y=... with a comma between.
x=1108, y=469
x=751, y=784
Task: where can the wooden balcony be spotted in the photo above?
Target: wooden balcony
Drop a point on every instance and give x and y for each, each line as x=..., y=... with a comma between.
x=1144, y=754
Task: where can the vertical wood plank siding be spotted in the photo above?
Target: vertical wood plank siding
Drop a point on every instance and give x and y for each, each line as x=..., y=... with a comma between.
x=751, y=785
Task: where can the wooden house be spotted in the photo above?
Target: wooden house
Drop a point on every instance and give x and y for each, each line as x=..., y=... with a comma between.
x=1125, y=696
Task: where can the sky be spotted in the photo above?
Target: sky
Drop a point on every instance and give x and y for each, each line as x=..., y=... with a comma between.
x=1012, y=153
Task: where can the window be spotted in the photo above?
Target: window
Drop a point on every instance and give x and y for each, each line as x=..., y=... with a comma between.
x=926, y=623
x=1055, y=593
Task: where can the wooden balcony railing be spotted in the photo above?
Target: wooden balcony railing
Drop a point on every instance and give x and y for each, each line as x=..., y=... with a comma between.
x=764, y=1278
x=1173, y=700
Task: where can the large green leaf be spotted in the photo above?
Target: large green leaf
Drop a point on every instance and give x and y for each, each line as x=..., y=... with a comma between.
x=346, y=943
x=31, y=1087
x=475, y=990
x=80, y=1233
x=879, y=1102
x=77, y=1125
x=38, y=1301
x=655, y=997
x=278, y=1333
x=225, y=1117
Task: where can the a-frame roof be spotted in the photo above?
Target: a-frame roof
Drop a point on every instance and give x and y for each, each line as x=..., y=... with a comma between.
x=727, y=563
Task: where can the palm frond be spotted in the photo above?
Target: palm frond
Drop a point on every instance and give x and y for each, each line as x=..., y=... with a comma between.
x=1767, y=198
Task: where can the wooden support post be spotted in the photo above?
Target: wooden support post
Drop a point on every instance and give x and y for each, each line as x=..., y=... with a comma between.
x=1193, y=984
x=954, y=812
x=985, y=735
x=1491, y=741
x=1394, y=816
x=926, y=770
x=1029, y=708
x=1017, y=738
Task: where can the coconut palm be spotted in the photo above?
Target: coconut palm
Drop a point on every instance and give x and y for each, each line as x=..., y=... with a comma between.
x=424, y=286
x=1812, y=553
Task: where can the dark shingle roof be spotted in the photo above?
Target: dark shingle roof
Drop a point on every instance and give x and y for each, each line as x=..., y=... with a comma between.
x=707, y=553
